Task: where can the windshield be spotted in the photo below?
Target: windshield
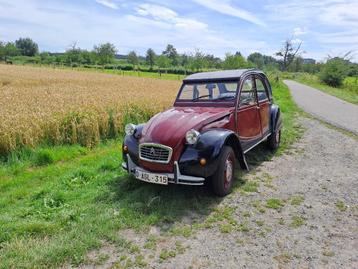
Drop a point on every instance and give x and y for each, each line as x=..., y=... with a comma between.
x=208, y=91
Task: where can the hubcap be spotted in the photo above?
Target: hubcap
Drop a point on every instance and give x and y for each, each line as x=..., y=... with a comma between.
x=228, y=172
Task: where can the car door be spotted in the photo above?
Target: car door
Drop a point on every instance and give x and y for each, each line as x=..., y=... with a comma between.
x=248, y=114
x=264, y=104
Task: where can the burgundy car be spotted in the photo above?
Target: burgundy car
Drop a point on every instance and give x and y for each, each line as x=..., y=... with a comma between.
x=216, y=119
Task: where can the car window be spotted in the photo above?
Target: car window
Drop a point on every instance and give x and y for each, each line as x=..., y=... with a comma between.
x=247, y=96
x=261, y=91
x=208, y=91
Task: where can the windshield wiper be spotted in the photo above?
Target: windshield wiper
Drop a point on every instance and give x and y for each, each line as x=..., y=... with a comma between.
x=199, y=97
x=225, y=97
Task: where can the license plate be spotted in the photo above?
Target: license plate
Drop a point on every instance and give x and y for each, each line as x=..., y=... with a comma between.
x=152, y=178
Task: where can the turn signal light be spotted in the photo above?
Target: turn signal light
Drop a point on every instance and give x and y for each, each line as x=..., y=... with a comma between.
x=202, y=161
x=125, y=149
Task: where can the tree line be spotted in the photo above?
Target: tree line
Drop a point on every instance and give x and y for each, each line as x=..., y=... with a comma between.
x=288, y=58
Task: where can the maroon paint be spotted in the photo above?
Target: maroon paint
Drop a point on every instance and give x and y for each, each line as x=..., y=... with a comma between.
x=248, y=123
x=169, y=128
x=265, y=115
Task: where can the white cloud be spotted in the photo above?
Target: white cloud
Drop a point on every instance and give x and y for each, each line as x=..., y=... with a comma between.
x=107, y=3
x=225, y=7
x=342, y=14
x=299, y=31
x=296, y=41
x=167, y=15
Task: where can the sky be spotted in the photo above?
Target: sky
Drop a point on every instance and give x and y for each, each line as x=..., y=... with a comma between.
x=325, y=27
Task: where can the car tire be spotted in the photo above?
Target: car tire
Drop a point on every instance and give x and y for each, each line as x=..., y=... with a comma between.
x=273, y=141
x=222, y=179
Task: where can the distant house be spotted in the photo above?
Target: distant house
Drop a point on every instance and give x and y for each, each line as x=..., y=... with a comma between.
x=309, y=61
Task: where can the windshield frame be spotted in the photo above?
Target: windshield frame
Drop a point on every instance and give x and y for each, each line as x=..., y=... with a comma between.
x=207, y=102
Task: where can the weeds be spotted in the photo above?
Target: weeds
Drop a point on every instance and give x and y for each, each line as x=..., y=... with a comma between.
x=297, y=221
x=274, y=203
x=341, y=206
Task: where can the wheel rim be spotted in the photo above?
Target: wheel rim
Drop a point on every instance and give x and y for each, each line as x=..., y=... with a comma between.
x=228, y=172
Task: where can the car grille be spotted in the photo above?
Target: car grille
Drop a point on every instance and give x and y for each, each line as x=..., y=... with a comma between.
x=155, y=152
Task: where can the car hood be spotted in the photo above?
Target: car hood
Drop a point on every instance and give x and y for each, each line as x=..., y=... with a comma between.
x=169, y=127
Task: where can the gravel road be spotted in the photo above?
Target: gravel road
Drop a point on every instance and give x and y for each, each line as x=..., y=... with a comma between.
x=303, y=214
x=326, y=107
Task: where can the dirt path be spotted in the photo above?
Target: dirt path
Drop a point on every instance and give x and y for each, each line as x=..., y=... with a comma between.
x=299, y=210
x=326, y=107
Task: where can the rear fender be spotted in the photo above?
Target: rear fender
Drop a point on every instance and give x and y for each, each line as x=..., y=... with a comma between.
x=276, y=119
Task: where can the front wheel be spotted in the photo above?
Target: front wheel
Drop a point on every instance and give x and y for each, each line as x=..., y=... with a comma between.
x=223, y=178
x=273, y=141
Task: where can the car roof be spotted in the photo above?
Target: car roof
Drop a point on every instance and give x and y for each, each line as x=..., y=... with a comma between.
x=220, y=75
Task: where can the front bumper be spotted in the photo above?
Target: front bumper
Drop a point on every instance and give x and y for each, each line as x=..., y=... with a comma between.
x=176, y=177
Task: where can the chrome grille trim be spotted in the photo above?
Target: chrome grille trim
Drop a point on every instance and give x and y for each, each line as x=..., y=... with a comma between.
x=163, y=153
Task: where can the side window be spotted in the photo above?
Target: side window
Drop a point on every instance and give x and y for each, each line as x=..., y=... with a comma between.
x=261, y=91
x=247, y=95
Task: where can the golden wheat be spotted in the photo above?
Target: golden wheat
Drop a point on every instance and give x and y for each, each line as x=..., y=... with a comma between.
x=43, y=105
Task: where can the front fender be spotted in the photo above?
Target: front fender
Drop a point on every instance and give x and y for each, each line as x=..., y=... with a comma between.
x=276, y=119
x=209, y=146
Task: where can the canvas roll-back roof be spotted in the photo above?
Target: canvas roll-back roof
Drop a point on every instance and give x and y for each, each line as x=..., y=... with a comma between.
x=219, y=75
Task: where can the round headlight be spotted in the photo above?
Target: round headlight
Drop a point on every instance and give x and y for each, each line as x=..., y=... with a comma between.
x=130, y=129
x=192, y=136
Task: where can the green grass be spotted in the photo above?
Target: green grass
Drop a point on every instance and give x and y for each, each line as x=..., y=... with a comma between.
x=348, y=92
x=56, y=213
x=297, y=221
x=274, y=203
x=144, y=74
x=297, y=200
x=131, y=73
x=341, y=206
x=57, y=203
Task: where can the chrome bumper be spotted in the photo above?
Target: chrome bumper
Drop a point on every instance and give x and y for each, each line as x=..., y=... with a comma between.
x=176, y=177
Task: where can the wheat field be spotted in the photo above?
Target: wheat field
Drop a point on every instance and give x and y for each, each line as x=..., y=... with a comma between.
x=50, y=106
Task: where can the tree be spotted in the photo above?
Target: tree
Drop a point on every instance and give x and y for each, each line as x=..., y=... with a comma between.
x=234, y=61
x=184, y=60
x=105, y=53
x=88, y=57
x=334, y=71
x=163, y=61
x=172, y=54
x=288, y=53
x=296, y=65
x=133, y=58
x=196, y=61
x=150, y=57
x=2, y=50
x=27, y=46
x=73, y=54
x=46, y=58
x=257, y=59
x=8, y=50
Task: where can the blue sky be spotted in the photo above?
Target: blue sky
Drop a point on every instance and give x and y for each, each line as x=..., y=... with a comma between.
x=326, y=27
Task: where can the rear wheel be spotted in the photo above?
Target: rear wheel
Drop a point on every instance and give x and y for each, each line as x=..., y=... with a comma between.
x=223, y=178
x=273, y=141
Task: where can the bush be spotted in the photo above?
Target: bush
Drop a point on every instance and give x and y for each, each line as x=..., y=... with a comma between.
x=334, y=72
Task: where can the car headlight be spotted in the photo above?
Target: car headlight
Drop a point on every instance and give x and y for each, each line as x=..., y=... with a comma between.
x=192, y=136
x=130, y=129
